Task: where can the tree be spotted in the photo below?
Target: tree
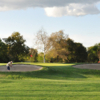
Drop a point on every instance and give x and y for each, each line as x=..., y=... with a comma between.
x=98, y=52
x=17, y=46
x=77, y=51
x=80, y=53
x=57, y=46
x=40, y=57
x=71, y=49
x=93, y=53
x=3, y=52
x=65, y=49
x=33, y=53
x=42, y=41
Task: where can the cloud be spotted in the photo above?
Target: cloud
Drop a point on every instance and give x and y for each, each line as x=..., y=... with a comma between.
x=54, y=8
x=72, y=10
x=87, y=41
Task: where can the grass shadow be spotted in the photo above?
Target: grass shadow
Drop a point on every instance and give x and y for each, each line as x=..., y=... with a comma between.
x=53, y=72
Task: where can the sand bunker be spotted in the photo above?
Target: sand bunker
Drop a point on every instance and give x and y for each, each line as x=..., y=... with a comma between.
x=20, y=68
x=88, y=66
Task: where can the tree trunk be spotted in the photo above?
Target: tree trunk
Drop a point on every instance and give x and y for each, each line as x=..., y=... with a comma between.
x=44, y=58
x=57, y=58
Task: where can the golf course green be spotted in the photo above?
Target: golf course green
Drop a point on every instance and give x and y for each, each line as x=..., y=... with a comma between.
x=56, y=81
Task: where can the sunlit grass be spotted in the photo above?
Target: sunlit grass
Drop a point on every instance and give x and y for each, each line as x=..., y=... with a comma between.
x=3, y=64
x=47, y=64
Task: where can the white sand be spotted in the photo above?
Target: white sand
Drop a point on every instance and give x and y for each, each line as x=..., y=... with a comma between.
x=88, y=66
x=20, y=68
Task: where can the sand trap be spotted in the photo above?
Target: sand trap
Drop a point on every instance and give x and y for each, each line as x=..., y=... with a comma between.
x=88, y=66
x=20, y=68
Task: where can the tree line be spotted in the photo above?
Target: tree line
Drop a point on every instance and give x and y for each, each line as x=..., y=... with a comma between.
x=57, y=47
x=14, y=48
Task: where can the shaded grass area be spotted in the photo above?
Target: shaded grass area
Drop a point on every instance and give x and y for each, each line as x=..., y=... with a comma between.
x=53, y=82
x=53, y=71
x=49, y=71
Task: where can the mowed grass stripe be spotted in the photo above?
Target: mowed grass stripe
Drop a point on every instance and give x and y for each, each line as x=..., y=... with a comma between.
x=47, y=89
x=36, y=85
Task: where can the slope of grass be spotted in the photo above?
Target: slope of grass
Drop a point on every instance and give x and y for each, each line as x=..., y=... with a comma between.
x=53, y=82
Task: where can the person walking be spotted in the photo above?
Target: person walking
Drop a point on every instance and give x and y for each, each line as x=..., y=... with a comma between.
x=9, y=64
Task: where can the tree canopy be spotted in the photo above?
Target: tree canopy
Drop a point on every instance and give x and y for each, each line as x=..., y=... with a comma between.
x=57, y=47
x=33, y=54
x=16, y=46
x=3, y=52
x=93, y=53
x=42, y=41
x=64, y=49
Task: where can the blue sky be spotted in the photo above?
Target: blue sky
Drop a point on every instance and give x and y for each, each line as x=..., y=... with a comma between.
x=80, y=20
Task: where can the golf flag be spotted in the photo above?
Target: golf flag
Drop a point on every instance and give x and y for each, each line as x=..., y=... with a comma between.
x=31, y=55
x=98, y=61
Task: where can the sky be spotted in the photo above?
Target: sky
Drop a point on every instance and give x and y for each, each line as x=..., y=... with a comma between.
x=79, y=19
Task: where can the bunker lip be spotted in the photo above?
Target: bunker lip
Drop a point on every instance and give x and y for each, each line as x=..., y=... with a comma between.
x=88, y=66
x=20, y=68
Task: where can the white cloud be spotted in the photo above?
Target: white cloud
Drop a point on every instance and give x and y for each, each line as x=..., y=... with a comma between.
x=87, y=41
x=54, y=8
x=72, y=10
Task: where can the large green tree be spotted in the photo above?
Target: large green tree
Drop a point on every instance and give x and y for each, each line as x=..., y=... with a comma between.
x=93, y=53
x=78, y=52
x=17, y=48
x=3, y=52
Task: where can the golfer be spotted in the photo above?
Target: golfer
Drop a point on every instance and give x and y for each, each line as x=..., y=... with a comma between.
x=9, y=64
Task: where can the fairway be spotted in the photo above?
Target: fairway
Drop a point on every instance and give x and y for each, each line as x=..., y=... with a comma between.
x=54, y=82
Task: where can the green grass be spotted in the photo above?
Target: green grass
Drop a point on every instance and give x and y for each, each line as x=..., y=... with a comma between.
x=53, y=82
